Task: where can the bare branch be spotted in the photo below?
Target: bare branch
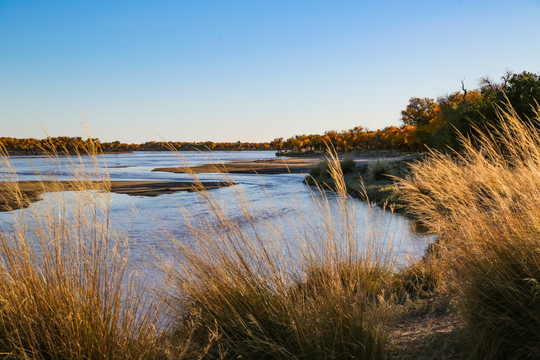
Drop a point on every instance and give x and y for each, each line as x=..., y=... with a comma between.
x=464, y=90
x=486, y=82
x=505, y=78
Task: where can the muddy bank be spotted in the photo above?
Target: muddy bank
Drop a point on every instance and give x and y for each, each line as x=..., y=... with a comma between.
x=279, y=166
x=20, y=195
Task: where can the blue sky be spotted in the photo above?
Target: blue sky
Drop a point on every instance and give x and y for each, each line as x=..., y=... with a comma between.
x=245, y=70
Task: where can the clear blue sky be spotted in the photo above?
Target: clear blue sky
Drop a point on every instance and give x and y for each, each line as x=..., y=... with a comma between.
x=245, y=70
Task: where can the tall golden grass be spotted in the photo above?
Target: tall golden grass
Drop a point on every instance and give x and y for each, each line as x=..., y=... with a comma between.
x=66, y=287
x=248, y=288
x=254, y=291
x=485, y=204
x=260, y=293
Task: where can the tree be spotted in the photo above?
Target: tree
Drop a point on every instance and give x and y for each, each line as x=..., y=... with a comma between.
x=420, y=111
x=277, y=143
x=523, y=92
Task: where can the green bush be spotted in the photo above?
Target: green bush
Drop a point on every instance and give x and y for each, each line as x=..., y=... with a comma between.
x=379, y=170
x=321, y=173
x=347, y=165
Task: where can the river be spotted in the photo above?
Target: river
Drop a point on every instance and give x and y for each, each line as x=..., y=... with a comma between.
x=277, y=200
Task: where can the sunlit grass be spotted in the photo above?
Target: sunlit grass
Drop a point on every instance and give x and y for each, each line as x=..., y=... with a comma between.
x=257, y=292
x=67, y=290
x=281, y=287
x=485, y=205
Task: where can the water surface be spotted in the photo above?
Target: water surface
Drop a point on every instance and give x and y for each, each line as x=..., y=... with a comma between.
x=276, y=200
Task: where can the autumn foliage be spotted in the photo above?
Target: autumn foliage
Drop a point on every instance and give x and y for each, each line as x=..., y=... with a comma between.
x=64, y=144
x=433, y=123
x=426, y=123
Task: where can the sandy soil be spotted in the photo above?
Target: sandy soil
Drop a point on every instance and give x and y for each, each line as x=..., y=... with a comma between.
x=428, y=332
x=30, y=191
x=280, y=166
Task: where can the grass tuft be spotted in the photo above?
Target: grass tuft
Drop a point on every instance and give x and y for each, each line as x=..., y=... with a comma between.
x=66, y=288
x=264, y=293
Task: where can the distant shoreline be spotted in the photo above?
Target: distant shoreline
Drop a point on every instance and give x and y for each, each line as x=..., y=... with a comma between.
x=41, y=153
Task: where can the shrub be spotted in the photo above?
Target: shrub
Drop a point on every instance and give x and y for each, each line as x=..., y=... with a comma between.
x=320, y=170
x=379, y=170
x=347, y=165
x=321, y=174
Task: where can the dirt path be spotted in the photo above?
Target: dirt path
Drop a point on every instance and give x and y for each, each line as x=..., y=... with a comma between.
x=426, y=333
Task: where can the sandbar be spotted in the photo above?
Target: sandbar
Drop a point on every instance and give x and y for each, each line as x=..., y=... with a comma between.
x=279, y=166
x=30, y=191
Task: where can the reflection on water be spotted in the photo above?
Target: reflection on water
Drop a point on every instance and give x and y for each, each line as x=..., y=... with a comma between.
x=279, y=200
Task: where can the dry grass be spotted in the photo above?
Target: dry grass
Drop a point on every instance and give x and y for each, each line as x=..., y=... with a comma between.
x=66, y=288
x=258, y=292
x=250, y=288
x=485, y=205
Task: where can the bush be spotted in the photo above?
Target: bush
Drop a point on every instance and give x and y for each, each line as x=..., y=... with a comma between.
x=347, y=165
x=320, y=170
x=379, y=170
x=322, y=175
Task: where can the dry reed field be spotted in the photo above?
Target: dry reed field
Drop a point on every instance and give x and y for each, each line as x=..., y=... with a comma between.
x=484, y=203
x=66, y=288
x=258, y=291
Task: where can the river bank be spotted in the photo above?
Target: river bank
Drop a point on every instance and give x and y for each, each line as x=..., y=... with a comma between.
x=371, y=180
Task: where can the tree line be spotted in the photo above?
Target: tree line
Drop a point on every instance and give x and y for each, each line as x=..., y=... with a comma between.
x=72, y=145
x=436, y=123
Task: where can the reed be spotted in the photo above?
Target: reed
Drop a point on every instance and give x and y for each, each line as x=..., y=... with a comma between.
x=484, y=203
x=261, y=291
x=66, y=288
